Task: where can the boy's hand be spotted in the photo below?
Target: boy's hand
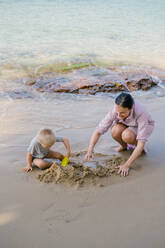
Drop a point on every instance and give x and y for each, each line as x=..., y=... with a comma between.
x=67, y=146
x=28, y=168
x=67, y=154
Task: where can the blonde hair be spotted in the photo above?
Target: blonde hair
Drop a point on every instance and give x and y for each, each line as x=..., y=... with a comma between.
x=46, y=137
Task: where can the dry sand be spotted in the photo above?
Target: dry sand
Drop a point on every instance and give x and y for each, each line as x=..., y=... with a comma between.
x=128, y=212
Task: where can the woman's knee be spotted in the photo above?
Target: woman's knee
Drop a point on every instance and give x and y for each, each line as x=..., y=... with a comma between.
x=128, y=137
x=117, y=130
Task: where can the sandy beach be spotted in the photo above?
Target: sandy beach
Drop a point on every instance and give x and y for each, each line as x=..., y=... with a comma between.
x=128, y=212
x=62, y=64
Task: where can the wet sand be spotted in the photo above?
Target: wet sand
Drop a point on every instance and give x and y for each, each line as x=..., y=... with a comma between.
x=80, y=174
x=128, y=212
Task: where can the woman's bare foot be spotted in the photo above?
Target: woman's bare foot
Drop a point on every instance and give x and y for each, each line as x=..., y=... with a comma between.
x=121, y=148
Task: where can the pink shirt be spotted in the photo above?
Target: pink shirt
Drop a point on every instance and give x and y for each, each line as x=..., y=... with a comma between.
x=139, y=118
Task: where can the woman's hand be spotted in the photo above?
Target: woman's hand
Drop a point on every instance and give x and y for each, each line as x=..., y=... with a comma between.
x=88, y=156
x=28, y=168
x=94, y=139
x=123, y=170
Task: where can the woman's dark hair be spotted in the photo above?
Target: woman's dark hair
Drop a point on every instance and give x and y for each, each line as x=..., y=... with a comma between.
x=125, y=100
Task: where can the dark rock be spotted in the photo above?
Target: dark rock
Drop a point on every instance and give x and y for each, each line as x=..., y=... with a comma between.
x=140, y=82
x=30, y=82
x=90, y=82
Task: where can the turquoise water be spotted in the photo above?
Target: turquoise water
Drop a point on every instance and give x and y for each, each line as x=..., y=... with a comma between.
x=40, y=32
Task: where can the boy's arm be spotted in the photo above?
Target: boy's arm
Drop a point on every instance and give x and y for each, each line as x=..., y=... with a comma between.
x=29, y=162
x=67, y=146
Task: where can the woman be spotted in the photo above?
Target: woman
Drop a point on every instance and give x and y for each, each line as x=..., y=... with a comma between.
x=131, y=125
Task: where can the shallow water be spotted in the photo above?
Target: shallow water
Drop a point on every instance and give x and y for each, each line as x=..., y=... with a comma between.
x=44, y=32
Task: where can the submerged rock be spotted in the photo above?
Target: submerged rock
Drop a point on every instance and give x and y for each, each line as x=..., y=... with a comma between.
x=140, y=82
x=18, y=94
x=93, y=80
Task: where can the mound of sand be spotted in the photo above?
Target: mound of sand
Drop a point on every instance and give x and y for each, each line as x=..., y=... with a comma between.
x=75, y=173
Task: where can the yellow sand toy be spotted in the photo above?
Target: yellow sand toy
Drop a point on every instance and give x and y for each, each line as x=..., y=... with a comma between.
x=65, y=161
